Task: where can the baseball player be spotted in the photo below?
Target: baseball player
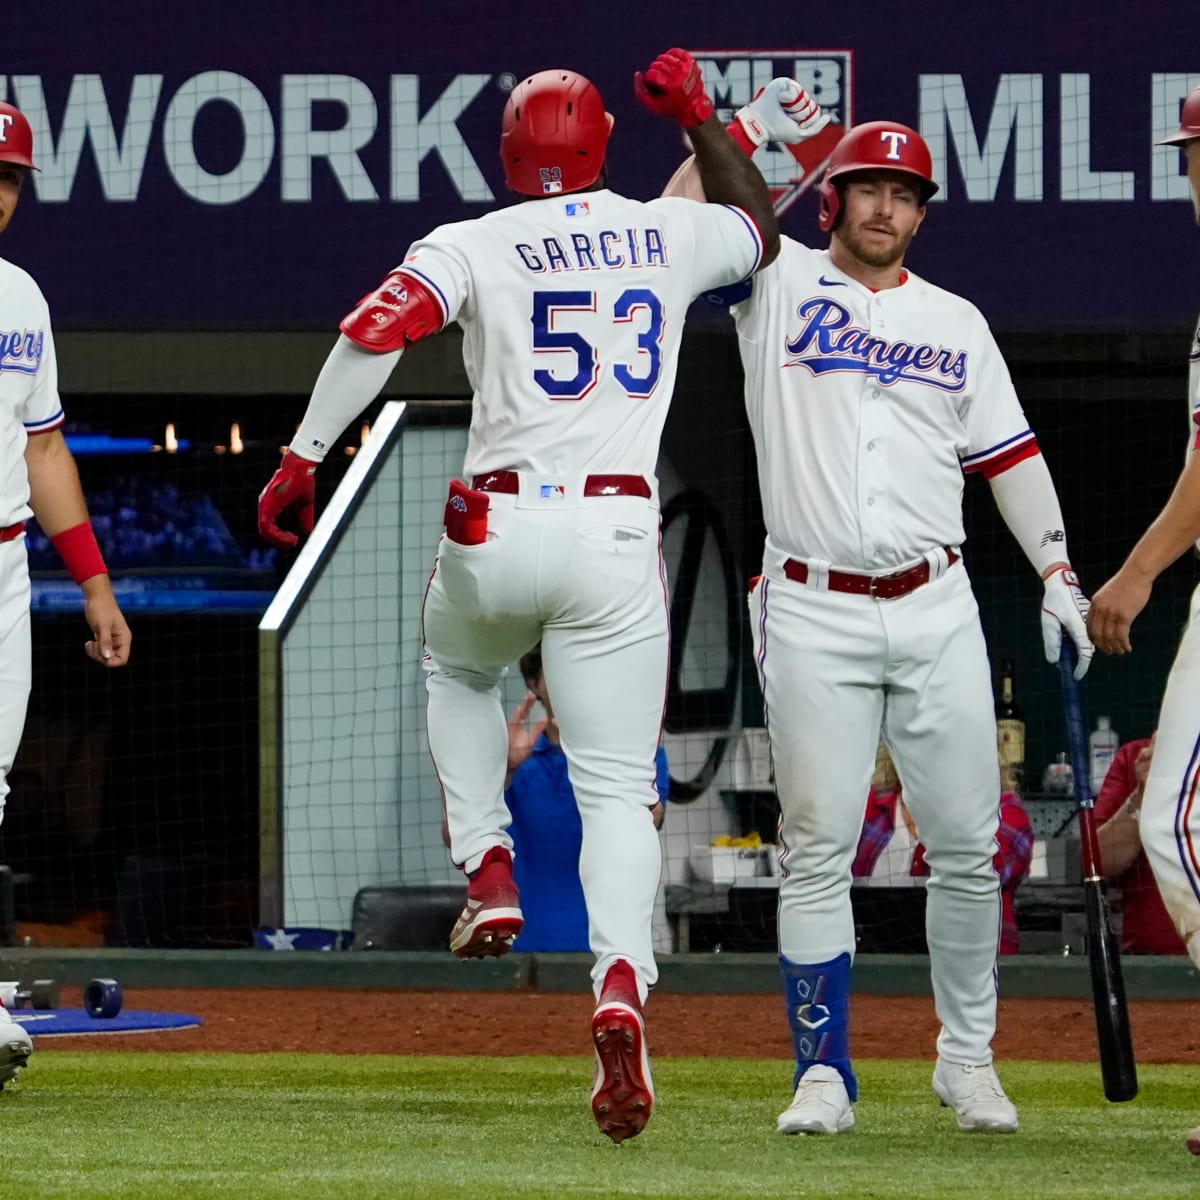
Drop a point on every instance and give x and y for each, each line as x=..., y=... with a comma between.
x=572, y=306
x=37, y=478
x=1170, y=814
x=870, y=393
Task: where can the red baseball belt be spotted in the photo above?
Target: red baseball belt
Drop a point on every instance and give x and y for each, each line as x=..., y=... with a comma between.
x=509, y=482
x=880, y=587
x=8, y=532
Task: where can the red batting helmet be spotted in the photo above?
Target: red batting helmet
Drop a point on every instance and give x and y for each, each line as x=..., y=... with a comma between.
x=1189, y=122
x=875, y=146
x=16, y=138
x=554, y=133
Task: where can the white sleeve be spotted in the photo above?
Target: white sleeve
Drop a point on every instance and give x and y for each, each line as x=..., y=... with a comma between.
x=998, y=433
x=42, y=409
x=726, y=243
x=350, y=379
x=1029, y=504
x=441, y=261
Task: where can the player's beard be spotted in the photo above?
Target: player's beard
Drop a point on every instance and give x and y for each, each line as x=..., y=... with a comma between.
x=873, y=252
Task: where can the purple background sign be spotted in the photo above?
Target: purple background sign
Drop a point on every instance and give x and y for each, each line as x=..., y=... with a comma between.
x=260, y=166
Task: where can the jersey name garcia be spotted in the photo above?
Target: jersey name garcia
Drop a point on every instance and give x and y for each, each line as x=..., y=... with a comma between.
x=29, y=401
x=866, y=410
x=572, y=313
x=607, y=248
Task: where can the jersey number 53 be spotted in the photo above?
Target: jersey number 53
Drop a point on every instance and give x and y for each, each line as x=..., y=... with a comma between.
x=552, y=310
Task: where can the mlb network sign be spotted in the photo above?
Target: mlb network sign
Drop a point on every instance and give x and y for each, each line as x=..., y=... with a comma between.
x=386, y=129
x=733, y=77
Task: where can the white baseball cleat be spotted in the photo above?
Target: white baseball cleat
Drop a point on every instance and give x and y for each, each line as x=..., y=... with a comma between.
x=821, y=1104
x=15, y=1048
x=976, y=1096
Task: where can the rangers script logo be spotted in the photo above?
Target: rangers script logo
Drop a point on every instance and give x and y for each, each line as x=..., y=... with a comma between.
x=732, y=77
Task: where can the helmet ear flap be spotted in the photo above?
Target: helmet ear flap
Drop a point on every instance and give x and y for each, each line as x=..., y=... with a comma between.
x=831, y=204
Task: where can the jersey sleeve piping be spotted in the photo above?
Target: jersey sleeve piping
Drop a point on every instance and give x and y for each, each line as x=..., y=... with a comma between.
x=47, y=426
x=1000, y=457
x=439, y=295
x=755, y=233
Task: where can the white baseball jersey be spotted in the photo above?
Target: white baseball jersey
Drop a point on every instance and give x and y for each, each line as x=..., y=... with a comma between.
x=1194, y=396
x=866, y=409
x=572, y=310
x=29, y=401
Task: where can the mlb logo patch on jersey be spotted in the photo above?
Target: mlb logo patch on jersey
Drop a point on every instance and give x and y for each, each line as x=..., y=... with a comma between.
x=578, y=208
x=553, y=491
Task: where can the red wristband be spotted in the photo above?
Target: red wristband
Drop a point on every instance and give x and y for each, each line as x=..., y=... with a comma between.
x=80, y=554
x=737, y=131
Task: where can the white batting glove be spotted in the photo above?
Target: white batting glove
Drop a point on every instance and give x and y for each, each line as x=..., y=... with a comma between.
x=1064, y=606
x=781, y=112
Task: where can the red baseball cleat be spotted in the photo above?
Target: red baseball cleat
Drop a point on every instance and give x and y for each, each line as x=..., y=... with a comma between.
x=491, y=917
x=623, y=1095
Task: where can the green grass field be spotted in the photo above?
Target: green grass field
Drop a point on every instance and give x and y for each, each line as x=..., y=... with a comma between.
x=178, y=1126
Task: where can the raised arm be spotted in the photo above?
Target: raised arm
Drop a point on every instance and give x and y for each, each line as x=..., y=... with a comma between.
x=780, y=112
x=672, y=87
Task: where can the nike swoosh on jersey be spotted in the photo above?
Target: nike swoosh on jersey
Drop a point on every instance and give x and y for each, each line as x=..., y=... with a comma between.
x=829, y=282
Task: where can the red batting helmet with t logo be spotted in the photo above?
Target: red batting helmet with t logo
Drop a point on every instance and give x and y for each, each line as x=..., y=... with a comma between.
x=1189, y=122
x=554, y=134
x=16, y=138
x=875, y=146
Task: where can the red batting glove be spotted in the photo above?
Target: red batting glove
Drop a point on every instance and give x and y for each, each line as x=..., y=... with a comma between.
x=292, y=486
x=672, y=88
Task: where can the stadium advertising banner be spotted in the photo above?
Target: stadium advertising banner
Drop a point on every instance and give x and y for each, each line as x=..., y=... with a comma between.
x=262, y=165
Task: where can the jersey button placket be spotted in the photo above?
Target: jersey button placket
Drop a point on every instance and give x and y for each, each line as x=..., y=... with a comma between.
x=869, y=468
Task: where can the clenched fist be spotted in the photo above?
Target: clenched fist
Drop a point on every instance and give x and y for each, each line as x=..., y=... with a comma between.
x=672, y=87
x=781, y=112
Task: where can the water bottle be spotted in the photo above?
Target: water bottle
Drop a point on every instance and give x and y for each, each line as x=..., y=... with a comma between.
x=1102, y=749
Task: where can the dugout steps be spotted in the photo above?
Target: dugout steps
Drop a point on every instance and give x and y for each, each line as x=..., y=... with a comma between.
x=1146, y=978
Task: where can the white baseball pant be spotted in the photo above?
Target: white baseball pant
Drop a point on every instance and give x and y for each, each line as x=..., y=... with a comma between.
x=16, y=669
x=838, y=670
x=1170, y=817
x=583, y=574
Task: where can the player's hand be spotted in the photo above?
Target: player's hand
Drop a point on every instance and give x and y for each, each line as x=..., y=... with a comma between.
x=672, y=87
x=1114, y=608
x=111, y=638
x=292, y=486
x=781, y=112
x=522, y=737
x=1141, y=767
x=1064, y=606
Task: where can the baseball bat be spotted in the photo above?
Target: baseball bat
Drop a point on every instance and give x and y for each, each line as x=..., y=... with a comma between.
x=1117, y=1067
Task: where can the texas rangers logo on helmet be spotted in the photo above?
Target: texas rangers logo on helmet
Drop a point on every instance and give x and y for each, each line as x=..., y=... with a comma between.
x=733, y=77
x=5, y=121
x=897, y=139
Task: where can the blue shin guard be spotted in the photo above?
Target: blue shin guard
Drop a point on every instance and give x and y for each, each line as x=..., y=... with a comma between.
x=817, y=999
